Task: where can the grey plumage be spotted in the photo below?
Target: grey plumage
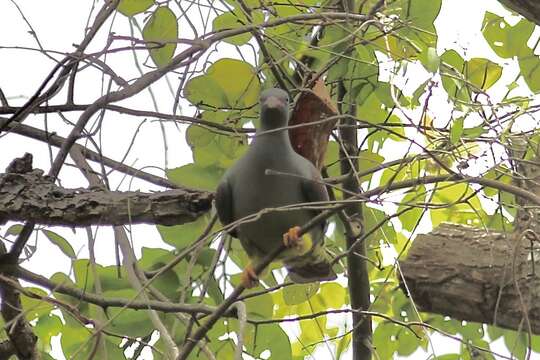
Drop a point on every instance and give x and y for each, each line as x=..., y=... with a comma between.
x=247, y=188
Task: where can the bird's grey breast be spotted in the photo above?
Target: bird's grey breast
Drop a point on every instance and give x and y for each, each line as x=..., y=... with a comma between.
x=255, y=190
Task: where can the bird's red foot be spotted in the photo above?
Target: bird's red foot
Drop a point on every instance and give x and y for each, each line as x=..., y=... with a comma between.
x=291, y=239
x=249, y=278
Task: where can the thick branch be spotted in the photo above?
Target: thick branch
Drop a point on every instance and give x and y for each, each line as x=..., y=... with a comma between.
x=526, y=8
x=19, y=332
x=31, y=197
x=474, y=275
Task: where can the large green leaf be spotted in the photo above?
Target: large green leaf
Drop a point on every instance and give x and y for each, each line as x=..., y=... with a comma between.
x=411, y=218
x=46, y=327
x=452, y=76
x=61, y=243
x=135, y=323
x=228, y=83
x=268, y=337
x=463, y=206
x=181, y=236
x=483, y=73
x=194, y=176
x=507, y=41
x=235, y=19
x=529, y=65
x=384, y=339
x=134, y=7
x=298, y=293
x=160, y=33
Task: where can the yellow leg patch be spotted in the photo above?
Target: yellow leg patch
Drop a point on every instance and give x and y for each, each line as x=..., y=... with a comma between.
x=296, y=245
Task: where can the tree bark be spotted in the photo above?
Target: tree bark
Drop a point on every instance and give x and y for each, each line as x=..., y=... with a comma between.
x=22, y=341
x=529, y=9
x=32, y=197
x=476, y=275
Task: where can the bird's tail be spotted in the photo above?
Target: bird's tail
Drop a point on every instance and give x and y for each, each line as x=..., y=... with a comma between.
x=314, y=266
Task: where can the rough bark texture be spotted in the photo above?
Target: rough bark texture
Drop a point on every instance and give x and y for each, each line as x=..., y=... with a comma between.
x=32, y=197
x=529, y=9
x=471, y=274
x=22, y=341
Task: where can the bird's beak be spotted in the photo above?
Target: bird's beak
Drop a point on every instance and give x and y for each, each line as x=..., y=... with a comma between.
x=273, y=102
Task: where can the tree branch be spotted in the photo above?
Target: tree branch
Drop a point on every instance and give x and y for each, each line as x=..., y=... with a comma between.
x=32, y=197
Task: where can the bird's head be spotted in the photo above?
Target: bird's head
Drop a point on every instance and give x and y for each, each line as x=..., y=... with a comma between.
x=274, y=109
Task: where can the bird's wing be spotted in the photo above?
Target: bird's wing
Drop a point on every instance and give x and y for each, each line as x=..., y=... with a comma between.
x=315, y=265
x=313, y=188
x=224, y=205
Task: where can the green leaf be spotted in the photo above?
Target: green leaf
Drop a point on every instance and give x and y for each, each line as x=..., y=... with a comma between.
x=372, y=220
x=298, y=293
x=456, y=131
x=14, y=230
x=410, y=219
x=206, y=92
x=460, y=212
x=332, y=295
x=260, y=307
x=134, y=7
x=268, y=337
x=475, y=132
x=230, y=20
x=194, y=176
x=343, y=344
x=160, y=33
x=384, y=339
x=483, y=73
x=516, y=343
x=529, y=66
x=79, y=340
x=239, y=81
x=420, y=32
x=62, y=243
x=212, y=149
x=421, y=90
x=228, y=83
x=233, y=20
x=35, y=308
x=48, y=326
x=181, y=236
x=505, y=40
x=472, y=331
x=430, y=59
x=452, y=77
x=368, y=160
x=135, y=323
x=448, y=357
x=407, y=342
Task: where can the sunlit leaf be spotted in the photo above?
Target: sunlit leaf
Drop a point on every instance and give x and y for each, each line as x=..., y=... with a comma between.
x=194, y=176
x=529, y=65
x=160, y=33
x=298, y=293
x=483, y=73
x=456, y=130
x=61, y=243
x=506, y=40
x=134, y=7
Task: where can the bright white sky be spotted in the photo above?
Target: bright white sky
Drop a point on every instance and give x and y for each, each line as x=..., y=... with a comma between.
x=60, y=23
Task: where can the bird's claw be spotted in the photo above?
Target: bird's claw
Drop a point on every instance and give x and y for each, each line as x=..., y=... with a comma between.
x=249, y=278
x=292, y=239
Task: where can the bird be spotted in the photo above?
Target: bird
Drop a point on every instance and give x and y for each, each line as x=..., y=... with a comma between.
x=271, y=175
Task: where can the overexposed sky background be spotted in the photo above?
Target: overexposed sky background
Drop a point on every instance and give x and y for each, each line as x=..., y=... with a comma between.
x=60, y=23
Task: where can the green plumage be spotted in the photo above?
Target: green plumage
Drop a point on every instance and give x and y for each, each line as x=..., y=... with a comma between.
x=247, y=188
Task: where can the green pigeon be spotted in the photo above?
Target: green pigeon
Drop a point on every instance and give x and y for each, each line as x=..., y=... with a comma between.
x=272, y=175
